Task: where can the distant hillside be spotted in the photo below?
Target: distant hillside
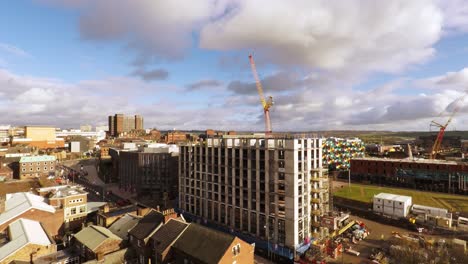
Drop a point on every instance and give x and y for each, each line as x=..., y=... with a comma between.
x=388, y=137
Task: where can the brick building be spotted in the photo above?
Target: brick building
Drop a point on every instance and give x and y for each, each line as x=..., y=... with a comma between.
x=40, y=137
x=162, y=240
x=199, y=244
x=94, y=242
x=149, y=171
x=423, y=174
x=73, y=202
x=107, y=216
x=26, y=240
x=175, y=137
x=36, y=166
x=154, y=134
x=140, y=235
x=5, y=171
x=120, y=123
x=33, y=207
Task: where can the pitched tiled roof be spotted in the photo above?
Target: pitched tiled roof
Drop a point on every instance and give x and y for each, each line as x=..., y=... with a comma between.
x=124, y=224
x=23, y=232
x=167, y=234
x=204, y=244
x=147, y=225
x=121, y=210
x=93, y=236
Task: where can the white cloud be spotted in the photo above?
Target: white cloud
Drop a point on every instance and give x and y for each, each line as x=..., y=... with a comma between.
x=456, y=15
x=457, y=81
x=13, y=50
x=334, y=44
x=153, y=29
x=384, y=36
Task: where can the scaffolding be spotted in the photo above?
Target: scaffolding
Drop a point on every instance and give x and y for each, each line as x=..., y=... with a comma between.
x=319, y=200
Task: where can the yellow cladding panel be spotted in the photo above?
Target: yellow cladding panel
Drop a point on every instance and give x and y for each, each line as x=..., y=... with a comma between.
x=40, y=133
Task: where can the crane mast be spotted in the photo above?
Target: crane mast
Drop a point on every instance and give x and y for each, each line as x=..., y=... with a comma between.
x=266, y=104
x=442, y=127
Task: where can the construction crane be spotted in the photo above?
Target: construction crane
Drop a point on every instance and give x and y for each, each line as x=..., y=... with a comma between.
x=266, y=104
x=440, y=135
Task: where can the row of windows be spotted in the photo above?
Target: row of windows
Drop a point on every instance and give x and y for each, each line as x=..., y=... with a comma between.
x=37, y=163
x=260, y=225
x=76, y=210
x=402, y=165
x=38, y=169
x=75, y=201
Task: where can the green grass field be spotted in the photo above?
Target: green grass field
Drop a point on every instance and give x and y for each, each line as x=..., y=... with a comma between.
x=364, y=193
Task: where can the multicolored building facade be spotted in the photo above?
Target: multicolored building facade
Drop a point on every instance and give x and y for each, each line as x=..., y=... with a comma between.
x=338, y=152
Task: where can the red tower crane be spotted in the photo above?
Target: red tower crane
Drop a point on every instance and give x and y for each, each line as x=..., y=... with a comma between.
x=266, y=104
x=440, y=135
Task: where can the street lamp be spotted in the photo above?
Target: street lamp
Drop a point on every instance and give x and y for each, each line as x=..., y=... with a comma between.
x=268, y=241
x=349, y=177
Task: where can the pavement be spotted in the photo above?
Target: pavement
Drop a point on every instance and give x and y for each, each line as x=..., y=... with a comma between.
x=261, y=260
x=92, y=173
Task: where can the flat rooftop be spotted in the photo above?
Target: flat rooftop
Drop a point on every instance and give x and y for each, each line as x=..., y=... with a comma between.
x=422, y=161
x=63, y=191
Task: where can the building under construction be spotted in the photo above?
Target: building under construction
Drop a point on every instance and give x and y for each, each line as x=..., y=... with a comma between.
x=421, y=174
x=273, y=189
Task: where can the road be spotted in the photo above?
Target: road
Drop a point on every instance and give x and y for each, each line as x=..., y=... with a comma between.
x=96, y=188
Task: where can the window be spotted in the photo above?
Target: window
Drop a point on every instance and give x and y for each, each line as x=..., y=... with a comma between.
x=73, y=211
x=38, y=169
x=51, y=168
x=23, y=169
x=236, y=249
x=45, y=168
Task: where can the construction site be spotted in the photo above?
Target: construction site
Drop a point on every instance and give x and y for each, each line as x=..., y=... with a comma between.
x=325, y=235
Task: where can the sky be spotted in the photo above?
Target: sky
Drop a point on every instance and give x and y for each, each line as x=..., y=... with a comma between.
x=328, y=64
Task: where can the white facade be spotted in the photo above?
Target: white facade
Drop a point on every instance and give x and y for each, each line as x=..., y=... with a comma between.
x=428, y=210
x=75, y=147
x=98, y=136
x=102, y=128
x=86, y=128
x=160, y=148
x=397, y=206
x=378, y=208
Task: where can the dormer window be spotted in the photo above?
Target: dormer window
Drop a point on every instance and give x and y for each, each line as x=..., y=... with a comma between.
x=236, y=250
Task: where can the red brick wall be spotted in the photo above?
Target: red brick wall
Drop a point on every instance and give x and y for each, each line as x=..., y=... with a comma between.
x=387, y=167
x=53, y=223
x=24, y=254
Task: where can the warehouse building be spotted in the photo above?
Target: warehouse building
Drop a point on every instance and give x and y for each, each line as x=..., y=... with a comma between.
x=421, y=174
